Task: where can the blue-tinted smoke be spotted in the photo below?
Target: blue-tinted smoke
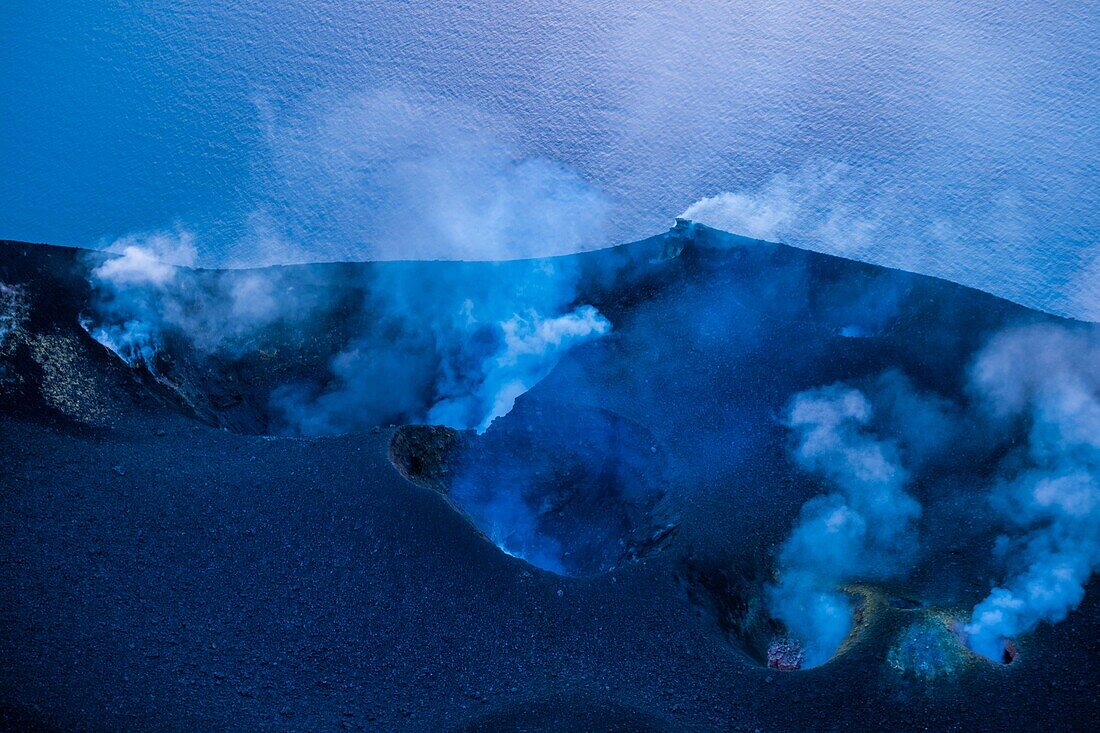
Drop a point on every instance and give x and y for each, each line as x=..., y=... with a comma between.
x=452, y=346
x=1048, y=377
x=132, y=292
x=393, y=174
x=865, y=528
x=531, y=346
x=856, y=211
x=1044, y=379
x=145, y=294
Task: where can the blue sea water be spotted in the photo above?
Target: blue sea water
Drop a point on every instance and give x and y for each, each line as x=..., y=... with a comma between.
x=957, y=138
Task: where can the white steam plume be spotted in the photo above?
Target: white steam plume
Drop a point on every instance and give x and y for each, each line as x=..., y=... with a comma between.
x=818, y=205
x=142, y=294
x=1050, y=377
x=455, y=347
x=532, y=345
x=864, y=529
x=391, y=173
x=129, y=286
x=861, y=212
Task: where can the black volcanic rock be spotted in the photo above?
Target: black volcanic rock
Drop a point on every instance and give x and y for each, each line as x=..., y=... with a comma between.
x=595, y=481
x=232, y=579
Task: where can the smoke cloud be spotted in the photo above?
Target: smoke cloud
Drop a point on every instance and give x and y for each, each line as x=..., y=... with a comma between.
x=866, y=528
x=397, y=174
x=382, y=174
x=532, y=345
x=1039, y=381
x=142, y=296
x=129, y=288
x=1048, y=377
x=453, y=347
x=458, y=353
x=862, y=212
x=814, y=206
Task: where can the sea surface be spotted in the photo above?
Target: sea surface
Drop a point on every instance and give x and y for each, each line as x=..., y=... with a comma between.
x=957, y=138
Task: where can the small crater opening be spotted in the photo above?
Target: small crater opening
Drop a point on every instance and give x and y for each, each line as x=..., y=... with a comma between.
x=574, y=490
x=1002, y=651
x=736, y=597
x=785, y=654
x=905, y=604
x=423, y=453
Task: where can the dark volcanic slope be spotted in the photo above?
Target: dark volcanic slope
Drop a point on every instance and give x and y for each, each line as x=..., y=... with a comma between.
x=158, y=572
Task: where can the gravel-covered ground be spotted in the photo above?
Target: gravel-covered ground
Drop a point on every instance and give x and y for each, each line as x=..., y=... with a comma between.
x=159, y=572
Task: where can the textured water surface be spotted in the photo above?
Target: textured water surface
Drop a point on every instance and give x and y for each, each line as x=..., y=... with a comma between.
x=954, y=138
